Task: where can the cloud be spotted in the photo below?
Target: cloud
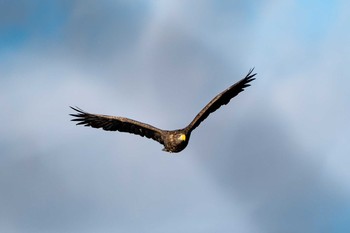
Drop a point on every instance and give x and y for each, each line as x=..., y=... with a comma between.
x=271, y=159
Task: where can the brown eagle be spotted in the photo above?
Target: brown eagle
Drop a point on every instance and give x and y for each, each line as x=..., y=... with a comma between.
x=173, y=140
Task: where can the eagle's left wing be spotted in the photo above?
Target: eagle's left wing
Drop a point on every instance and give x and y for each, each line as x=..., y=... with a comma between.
x=221, y=99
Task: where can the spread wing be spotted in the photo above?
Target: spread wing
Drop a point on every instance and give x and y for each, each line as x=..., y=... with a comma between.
x=221, y=99
x=114, y=123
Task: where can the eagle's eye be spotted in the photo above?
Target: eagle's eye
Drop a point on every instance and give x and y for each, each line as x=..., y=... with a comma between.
x=182, y=137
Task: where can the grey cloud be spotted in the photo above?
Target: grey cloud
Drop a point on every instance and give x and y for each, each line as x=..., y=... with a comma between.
x=244, y=170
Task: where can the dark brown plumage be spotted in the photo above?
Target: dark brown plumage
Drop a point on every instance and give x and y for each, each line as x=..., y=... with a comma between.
x=173, y=140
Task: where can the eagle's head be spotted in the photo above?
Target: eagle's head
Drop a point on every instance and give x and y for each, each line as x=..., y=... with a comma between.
x=175, y=141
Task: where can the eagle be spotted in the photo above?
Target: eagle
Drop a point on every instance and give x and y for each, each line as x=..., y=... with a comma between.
x=173, y=140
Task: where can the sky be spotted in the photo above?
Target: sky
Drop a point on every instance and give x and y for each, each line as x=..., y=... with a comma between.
x=276, y=159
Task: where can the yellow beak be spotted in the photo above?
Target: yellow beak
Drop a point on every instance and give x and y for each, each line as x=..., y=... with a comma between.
x=183, y=137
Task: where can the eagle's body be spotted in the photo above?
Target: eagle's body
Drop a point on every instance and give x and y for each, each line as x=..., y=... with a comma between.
x=173, y=140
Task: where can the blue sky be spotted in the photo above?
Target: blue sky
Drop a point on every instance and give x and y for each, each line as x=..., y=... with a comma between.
x=276, y=159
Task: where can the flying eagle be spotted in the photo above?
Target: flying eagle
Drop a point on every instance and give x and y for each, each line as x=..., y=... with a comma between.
x=173, y=140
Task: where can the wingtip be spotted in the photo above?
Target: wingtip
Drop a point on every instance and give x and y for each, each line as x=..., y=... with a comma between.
x=250, y=77
x=250, y=72
x=78, y=116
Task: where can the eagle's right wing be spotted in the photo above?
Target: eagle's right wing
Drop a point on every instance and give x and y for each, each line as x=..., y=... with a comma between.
x=114, y=123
